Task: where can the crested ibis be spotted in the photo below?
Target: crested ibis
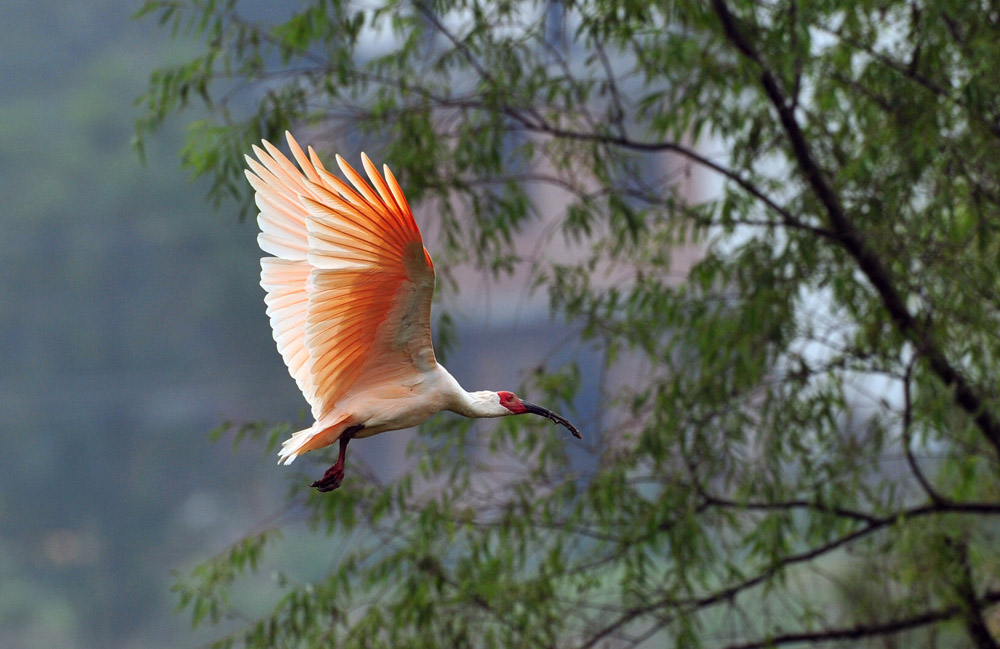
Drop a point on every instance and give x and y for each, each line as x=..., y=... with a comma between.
x=349, y=293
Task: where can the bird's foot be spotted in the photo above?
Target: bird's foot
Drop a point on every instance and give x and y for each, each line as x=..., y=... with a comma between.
x=335, y=474
x=331, y=479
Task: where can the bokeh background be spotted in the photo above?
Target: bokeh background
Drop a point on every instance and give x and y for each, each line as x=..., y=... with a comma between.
x=130, y=325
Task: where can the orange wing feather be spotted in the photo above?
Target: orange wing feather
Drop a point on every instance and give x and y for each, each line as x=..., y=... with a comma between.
x=349, y=292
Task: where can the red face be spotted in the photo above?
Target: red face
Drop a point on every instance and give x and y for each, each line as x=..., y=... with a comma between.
x=510, y=401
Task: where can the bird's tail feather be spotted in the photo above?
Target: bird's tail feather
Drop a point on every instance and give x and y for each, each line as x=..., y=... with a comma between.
x=316, y=436
x=291, y=448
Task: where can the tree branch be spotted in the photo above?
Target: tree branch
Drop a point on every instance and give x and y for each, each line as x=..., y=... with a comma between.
x=907, y=436
x=972, y=608
x=910, y=72
x=728, y=594
x=867, y=630
x=532, y=121
x=851, y=240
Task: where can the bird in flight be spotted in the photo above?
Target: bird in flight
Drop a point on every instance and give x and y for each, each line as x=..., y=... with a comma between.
x=349, y=293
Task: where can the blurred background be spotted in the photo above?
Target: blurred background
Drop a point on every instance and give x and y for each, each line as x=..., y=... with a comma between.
x=131, y=325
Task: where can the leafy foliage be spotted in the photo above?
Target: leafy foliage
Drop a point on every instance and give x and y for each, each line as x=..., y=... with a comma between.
x=798, y=443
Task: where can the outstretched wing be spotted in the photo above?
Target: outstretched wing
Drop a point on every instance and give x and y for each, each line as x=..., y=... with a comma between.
x=349, y=289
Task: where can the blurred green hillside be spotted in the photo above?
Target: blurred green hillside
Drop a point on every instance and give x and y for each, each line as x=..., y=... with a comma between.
x=130, y=324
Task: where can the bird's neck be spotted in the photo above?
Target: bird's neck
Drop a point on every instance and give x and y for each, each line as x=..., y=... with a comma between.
x=480, y=404
x=471, y=404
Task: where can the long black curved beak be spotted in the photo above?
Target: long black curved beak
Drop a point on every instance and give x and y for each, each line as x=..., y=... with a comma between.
x=551, y=416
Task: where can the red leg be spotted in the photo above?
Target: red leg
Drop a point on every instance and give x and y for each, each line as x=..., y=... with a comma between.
x=335, y=474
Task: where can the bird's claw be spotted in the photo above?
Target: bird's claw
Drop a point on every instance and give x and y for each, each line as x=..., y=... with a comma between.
x=330, y=480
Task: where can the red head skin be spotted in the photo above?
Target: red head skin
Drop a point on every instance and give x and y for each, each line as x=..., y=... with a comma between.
x=510, y=401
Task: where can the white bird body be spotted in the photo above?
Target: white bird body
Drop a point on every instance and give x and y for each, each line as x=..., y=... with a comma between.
x=384, y=407
x=349, y=295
